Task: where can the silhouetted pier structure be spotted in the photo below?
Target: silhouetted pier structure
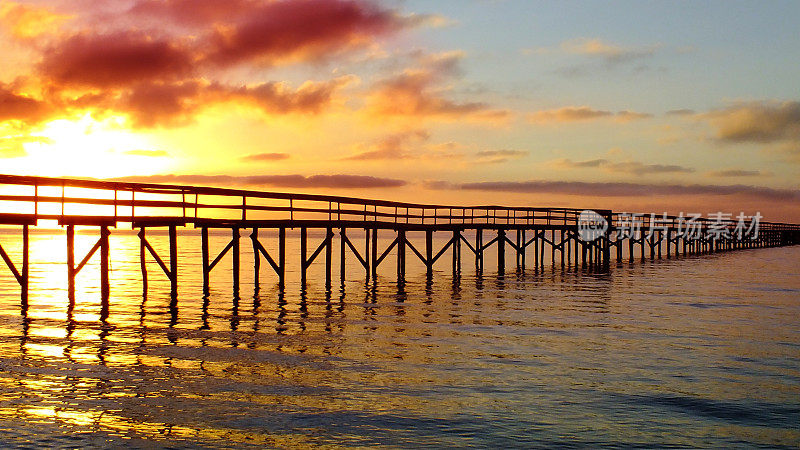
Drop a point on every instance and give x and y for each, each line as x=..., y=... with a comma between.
x=24, y=201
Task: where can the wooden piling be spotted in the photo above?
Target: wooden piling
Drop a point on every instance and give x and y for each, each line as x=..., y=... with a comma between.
x=328, y=257
x=206, y=270
x=256, y=260
x=105, y=288
x=25, y=281
x=303, y=256
x=235, y=236
x=71, y=262
x=173, y=261
x=342, y=254
x=401, y=256
x=501, y=251
x=143, y=259
x=281, y=258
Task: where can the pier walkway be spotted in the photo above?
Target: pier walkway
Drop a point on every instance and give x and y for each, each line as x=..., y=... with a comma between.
x=572, y=237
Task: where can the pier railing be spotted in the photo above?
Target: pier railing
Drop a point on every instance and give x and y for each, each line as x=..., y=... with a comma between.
x=26, y=199
x=93, y=201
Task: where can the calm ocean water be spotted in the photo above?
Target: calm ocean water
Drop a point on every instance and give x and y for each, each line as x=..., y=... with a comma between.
x=695, y=352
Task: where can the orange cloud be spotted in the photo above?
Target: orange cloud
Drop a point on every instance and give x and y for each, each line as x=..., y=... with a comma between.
x=19, y=107
x=255, y=157
x=27, y=22
x=393, y=146
x=12, y=146
x=419, y=93
x=284, y=181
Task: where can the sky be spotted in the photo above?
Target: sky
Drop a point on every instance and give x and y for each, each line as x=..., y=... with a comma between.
x=634, y=106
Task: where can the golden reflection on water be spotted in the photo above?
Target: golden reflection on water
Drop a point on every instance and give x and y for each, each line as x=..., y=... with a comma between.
x=657, y=353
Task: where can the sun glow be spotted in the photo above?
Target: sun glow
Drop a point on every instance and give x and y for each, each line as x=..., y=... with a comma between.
x=88, y=148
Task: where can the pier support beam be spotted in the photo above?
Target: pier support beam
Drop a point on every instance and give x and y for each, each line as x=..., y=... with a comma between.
x=501, y=251
x=260, y=252
x=172, y=271
x=22, y=276
x=73, y=270
x=305, y=262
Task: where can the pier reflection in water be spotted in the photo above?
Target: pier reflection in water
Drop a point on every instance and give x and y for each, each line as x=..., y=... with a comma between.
x=681, y=352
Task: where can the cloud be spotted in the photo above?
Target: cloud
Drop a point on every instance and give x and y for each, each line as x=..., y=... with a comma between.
x=13, y=146
x=168, y=104
x=16, y=106
x=627, y=116
x=306, y=30
x=680, y=112
x=582, y=114
x=629, y=167
x=499, y=156
x=26, y=22
x=393, y=146
x=417, y=93
x=611, y=54
x=193, y=12
x=760, y=122
x=734, y=173
x=601, y=189
x=265, y=157
x=283, y=181
x=507, y=153
x=113, y=60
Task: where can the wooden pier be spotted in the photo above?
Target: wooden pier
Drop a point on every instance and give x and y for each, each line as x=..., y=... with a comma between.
x=527, y=233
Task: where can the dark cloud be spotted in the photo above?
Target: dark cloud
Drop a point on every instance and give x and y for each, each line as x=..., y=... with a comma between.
x=169, y=104
x=680, y=112
x=277, y=98
x=193, y=12
x=498, y=156
x=582, y=114
x=762, y=122
x=304, y=30
x=265, y=157
x=734, y=173
x=610, y=53
x=600, y=189
x=113, y=60
x=16, y=106
x=282, y=181
x=151, y=104
x=504, y=153
x=629, y=167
